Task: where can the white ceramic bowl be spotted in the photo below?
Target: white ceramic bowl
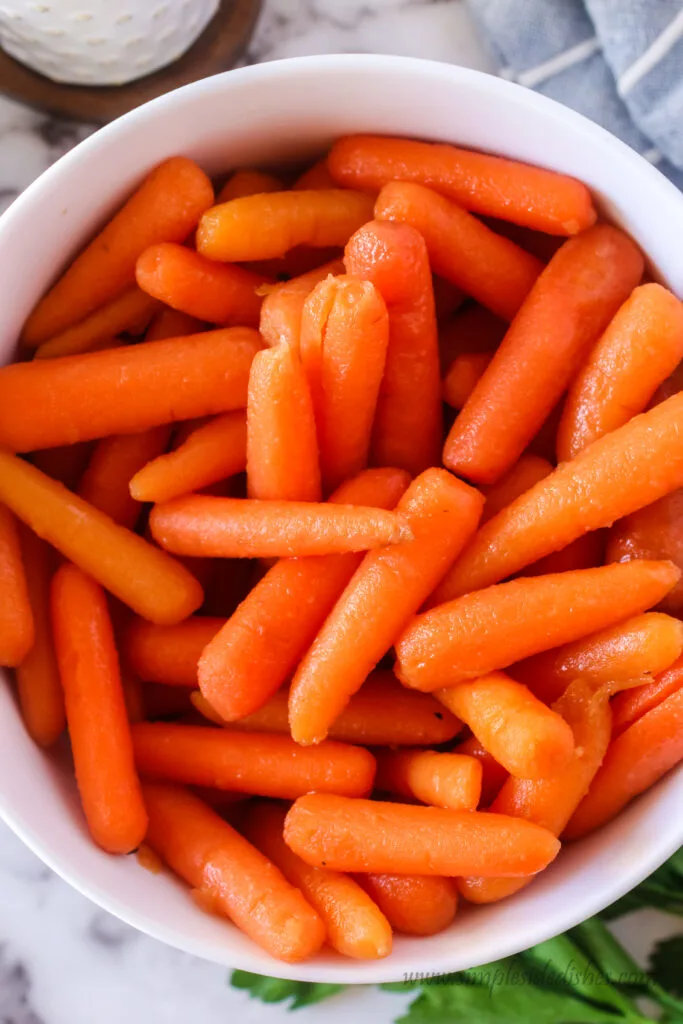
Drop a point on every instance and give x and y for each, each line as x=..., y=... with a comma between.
x=256, y=115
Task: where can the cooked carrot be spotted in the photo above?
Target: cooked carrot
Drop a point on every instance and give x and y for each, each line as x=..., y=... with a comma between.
x=539, y=199
x=129, y=312
x=124, y=390
x=17, y=631
x=144, y=578
x=171, y=323
x=408, y=421
x=526, y=472
x=282, y=446
x=315, y=177
x=642, y=646
x=343, y=341
x=462, y=377
x=96, y=712
x=168, y=654
x=248, y=182
x=218, y=292
x=235, y=232
x=250, y=762
x=474, y=329
x=490, y=629
x=165, y=208
x=368, y=835
x=655, y=531
x=487, y=266
x=355, y=925
x=635, y=760
x=642, y=345
x=632, y=704
x=229, y=875
x=618, y=474
x=493, y=773
x=441, y=780
x=585, y=552
x=65, y=463
x=413, y=904
x=262, y=642
x=569, y=306
x=386, y=590
x=283, y=305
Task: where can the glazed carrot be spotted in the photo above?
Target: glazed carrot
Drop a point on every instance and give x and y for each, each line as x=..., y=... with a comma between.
x=462, y=377
x=633, y=703
x=229, y=875
x=474, y=329
x=642, y=345
x=490, y=629
x=526, y=472
x=618, y=474
x=635, y=760
x=524, y=736
x=568, y=307
x=490, y=268
x=96, y=712
x=65, y=463
x=441, y=780
x=343, y=341
x=124, y=390
x=493, y=773
x=129, y=312
x=171, y=323
x=315, y=177
x=413, y=904
x=283, y=305
x=655, y=531
x=247, y=182
x=251, y=762
x=386, y=590
x=218, y=292
x=235, y=232
x=539, y=199
x=355, y=925
x=146, y=579
x=168, y=654
x=585, y=552
x=17, y=631
x=165, y=208
x=368, y=835
x=41, y=698
x=408, y=421
x=282, y=446
x=263, y=641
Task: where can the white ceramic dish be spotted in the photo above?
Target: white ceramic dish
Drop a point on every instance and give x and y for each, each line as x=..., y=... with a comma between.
x=262, y=114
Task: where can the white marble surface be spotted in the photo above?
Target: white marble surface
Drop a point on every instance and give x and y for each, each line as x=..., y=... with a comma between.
x=63, y=961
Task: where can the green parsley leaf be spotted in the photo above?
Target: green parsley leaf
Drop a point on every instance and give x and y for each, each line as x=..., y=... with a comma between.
x=279, y=990
x=666, y=964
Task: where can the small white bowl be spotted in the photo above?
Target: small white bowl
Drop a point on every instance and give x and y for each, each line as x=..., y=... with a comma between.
x=264, y=114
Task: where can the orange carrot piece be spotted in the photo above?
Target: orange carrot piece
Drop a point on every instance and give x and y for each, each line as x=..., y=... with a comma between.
x=408, y=421
x=315, y=177
x=168, y=654
x=368, y=835
x=283, y=306
x=248, y=182
x=146, y=579
x=493, y=773
x=124, y=390
x=386, y=590
x=526, y=472
x=263, y=641
x=218, y=292
x=260, y=763
x=642, y=345
x=474, y=329
x=355, y=925
x=462, y=377
x=441, y=780
x=487, y=266
x=490, y=629
x=17, y=631
x=344, y=337
x=413, y=904
x=570, y=305
x=171, y=323
x=96, y=712
x=539, y=199
x=65, y=463
x=165, y=208
x=632, y=704
x=586, y=552
x=282, y=447
x=655, y=531
x=129, y=312
x=229, y=875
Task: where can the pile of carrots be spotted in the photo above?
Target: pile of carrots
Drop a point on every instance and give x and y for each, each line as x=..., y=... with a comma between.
x=334, y=652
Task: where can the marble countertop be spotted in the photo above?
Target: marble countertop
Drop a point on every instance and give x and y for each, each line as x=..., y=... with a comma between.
x=62, y=960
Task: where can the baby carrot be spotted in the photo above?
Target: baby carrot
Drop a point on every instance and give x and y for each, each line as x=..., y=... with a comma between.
x=490, y=629
x=146, y=579
x=642, y=345
x=462, y=377
x=641, y=646
x=250, y=762
x=633, y=703
x=490, y=268
x=17, y=631
x=282, y=447
x=171, y=323
x=96, y=712
x=315, y=177
x=413, y=904
x=493, y=773
x=586, y=552
x=344, y=337
x=229, y=875
x=408, y=421
x=492, y=185
x=526, y=472
x=165, y=208
x=655, y=531
x=283, y=305
x=368, y=835
x=124, y=390
x=263, y=641
x=387, y=589
x=355, y=925
x=441, y=780
x=568, y=307
x=168, y=654
x=248, y=182
x=473, y=329
x=234, y=231
x=129, y=312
